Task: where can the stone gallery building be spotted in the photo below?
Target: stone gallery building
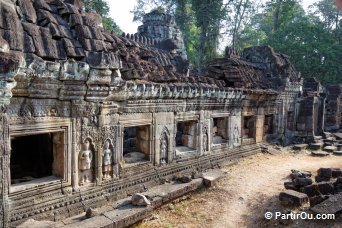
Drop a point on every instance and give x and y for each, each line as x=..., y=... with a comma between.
x=88, y=117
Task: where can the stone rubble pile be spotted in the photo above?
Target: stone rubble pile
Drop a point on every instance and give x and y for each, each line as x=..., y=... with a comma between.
x=323, y=195
x=329, y=143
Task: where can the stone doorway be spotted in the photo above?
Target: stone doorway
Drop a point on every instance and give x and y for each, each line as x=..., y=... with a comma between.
x=268, y=125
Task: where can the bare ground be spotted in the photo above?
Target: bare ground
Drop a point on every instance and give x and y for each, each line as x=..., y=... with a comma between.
x=250, y=188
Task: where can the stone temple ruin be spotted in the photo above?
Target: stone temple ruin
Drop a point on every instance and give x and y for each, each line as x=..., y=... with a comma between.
x=88, y=117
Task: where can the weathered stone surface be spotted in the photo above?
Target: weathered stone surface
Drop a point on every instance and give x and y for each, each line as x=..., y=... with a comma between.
x=97, y=221
x=72, y=70
x=212, y=176
x=28, y=11
x=100, y=76
x=332, y=205
x=4, y=47
x=37, y=224
x=102, y=60
x=293, y=198
x=140, y=200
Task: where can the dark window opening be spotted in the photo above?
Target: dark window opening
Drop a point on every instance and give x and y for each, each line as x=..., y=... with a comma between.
x=136, y=144
x=31, y=157
x=220, y=130
x=186, y=137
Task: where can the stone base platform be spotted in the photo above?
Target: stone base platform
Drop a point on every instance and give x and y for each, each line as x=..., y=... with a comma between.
x=122, y=213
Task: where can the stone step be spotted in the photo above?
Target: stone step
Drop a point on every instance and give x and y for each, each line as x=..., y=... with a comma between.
x=212, y=176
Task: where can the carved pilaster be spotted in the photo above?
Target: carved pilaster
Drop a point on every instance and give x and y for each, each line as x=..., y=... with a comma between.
x=4, y=169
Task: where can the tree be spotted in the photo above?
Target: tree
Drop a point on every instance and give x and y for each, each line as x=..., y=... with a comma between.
x=310, y=40
x=101, y=7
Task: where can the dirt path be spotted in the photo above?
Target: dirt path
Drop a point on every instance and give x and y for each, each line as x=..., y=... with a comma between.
x=250, y=188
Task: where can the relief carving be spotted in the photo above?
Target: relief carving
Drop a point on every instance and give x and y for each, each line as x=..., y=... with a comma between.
x=85, y=163
x=107, y=160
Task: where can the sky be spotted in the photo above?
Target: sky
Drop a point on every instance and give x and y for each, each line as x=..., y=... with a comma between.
x=121, y=14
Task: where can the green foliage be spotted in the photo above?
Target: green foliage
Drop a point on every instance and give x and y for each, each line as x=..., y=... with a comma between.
x=312, y=41
x=101, y=7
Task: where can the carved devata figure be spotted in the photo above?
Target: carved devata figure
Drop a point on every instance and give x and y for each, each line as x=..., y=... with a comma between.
x=205, y=142
x=163, y=149
x=236, y=135
x=85, y=161
x=107, y=161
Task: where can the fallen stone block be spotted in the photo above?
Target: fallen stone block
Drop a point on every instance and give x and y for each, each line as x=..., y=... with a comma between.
x=330, y=149
x=338, y=153
x=338, y=135
x=319, y=153
x=326, y=188
x=329, y=140
x=327, y=135
x=320, y=179
x=294, y=199
x=324, y=172
x=302, y=181
x=311, y=190
x=90, y=212
x=184, y=179
x=297, y=173
x=336, y=172
x=316, y=146
x=300, y=146
x=140, y=200
x=317, y=200
x=339, y=146
x=332, y=205
x=338, y=185
x=212, y=176
x=290, y=186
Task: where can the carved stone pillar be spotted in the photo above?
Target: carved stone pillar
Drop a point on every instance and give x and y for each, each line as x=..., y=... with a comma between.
x=4, y=169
